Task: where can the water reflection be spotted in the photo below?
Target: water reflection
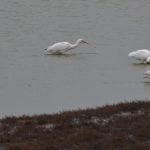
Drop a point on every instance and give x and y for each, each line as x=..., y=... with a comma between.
x=65, y=55
x=139, y=64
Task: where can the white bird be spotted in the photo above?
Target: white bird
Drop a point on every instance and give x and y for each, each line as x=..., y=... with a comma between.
x=147, y=74
x=147, y=60
x=141, y=55
x=63, y=47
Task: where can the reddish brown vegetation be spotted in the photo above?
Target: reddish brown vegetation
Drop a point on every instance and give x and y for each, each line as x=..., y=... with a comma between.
x=124, y=126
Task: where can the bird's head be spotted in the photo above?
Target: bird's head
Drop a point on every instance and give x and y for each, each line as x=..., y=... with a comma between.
x=82, y=41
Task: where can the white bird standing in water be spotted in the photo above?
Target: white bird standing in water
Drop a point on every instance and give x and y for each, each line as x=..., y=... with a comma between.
x=141, y=55
x=147, y=74
x=63, y=47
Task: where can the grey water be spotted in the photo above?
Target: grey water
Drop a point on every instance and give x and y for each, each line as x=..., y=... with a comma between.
x=33, y=83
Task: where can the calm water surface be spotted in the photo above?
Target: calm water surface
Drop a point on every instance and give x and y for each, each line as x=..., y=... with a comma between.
x=33, y=83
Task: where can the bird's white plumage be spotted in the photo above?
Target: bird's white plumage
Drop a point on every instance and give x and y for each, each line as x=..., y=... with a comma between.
x=62, y=47
x=147, y=74
x=141, y=55
x=147, y=60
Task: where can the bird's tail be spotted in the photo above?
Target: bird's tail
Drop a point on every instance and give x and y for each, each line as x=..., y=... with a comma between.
x=131, y=54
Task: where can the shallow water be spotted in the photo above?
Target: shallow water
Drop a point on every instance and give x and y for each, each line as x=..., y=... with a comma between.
x=32, y=82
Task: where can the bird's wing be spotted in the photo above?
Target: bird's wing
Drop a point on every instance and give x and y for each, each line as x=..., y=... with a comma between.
x=144, y=53
x=143, y=50
x=141, y=54
x=60, y=46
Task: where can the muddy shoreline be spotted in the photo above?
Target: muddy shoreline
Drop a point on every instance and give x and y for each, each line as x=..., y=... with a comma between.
x=123, y=126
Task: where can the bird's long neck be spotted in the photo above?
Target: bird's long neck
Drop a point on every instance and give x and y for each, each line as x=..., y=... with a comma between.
x=75, y=44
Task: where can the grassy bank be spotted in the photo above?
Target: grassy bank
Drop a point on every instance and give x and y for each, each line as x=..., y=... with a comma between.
x=123, y=126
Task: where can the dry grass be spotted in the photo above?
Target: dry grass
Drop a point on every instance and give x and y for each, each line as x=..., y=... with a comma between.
x=124, y=126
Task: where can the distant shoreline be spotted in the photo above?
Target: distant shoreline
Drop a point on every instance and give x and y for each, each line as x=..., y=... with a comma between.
x=124, y=126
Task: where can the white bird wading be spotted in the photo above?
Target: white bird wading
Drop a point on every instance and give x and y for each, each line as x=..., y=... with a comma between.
x=141, y=55
x=63, y=47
